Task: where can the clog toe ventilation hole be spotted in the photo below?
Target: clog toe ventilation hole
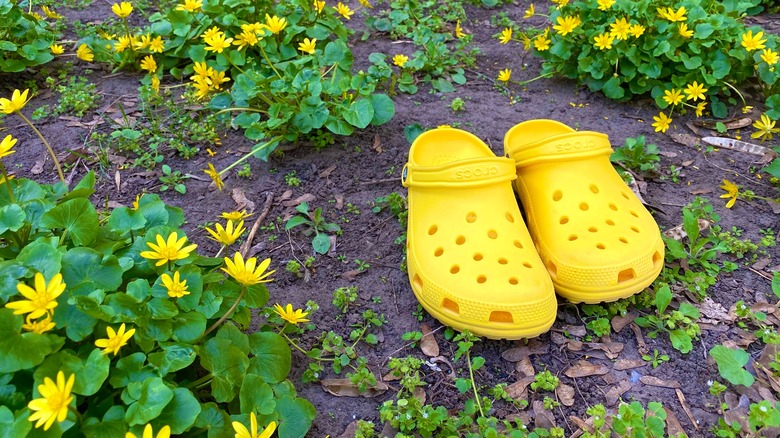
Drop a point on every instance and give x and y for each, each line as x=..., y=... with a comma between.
x=610, y=226
x=496, y=316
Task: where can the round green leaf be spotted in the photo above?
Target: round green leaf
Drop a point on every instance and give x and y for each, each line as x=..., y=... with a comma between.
x=154, y=395
x=85, y=265
x=180, y=413
x=188, y=327
x=256, y=396
x=272, y=357
x=11, y=218
x=227, y=365
x=77, y=216
x=295, y=416
x=384, y=109
x=123, y=220
x=14, y=427
x=42, y=256
x=360, y=113
x=22, y=351
x=173, y=358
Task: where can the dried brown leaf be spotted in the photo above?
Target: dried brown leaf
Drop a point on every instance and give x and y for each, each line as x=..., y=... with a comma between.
x=37, y=169
x=701, y=191
x=678, y=233
x=611, y=349
x=525, y=367
x=668, y=154
x=542, y=417
x=308, y=197
x=655, y=381
x=377, y=146
x=419, y=394
x=673, y=426
x=345, y=388
x=242, y=202
x=565, y=394
x=574, y=345
x=339, y=201
x=327, y=171
x=558, y=339
x=628, y=364
x=761, y=263
x=576, y=330
x=613, y=395
x=584, y=368
x=715, y=312
x=619, y=322
x=517, y=354
x=640, y=340
x=428, y=344
x=583, y=425
x=519, y=389
x=685, y=139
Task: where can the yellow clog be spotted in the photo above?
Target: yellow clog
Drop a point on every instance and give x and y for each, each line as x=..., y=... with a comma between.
x=471, y=262
x=595, y=237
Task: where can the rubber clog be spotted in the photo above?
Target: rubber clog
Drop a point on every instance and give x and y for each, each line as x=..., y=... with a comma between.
x=595, y=237
x=471, y=262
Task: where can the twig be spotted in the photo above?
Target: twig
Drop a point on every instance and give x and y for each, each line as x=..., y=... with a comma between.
x=762, y=274
x=379, y=181
x=269, y=197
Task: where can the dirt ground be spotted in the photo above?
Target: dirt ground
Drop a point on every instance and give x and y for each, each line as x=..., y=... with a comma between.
x=367, y=165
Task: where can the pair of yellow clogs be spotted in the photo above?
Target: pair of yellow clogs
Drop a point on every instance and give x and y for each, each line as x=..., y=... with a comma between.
x=473, y=263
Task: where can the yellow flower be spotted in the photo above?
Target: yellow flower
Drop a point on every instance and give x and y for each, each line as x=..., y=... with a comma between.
x=506, y=35
x=246, y=273
x=123, y=43
x=56, y=49
x=530, y=11
x=85, y=53
x=603, y=41
x=156, y=84
x=695, y=91
x=620, y=28
x=227, y=236
x=143, y=43
x=661, y=122
x=636, y=30
x=684, y=31
x=542, y=42
x=123, y=9
x=218, y=78
x=175, y=286
x=202, y=86
x=308, y=45
x=243, y=432
x=235, y=215
x=218, y=43
x=115, y=340
x=459, y=30
x=504, y=75
x=6, y=146
x=190, y=5
x=769, y=56
x=40, y=300
x=287, y=314
x=17, y=102
x=700, y=108
x=566, y=25
x=202, y=69
x=170, y=250
x=605, y=4
x=365, y=4
x=164, y=432
x=765, y=126
x=135, y=203
x=275, y=24
x=50, y=13
x=671, y=15
x=753, y=42
x=39, y=327
x=246, y=38
x=673, y=96
x=344, y=10
x=526, y=42
x=53, y=404
x=400, y=60
x=149, y=64
x=214, y=31
x=319, y=5
x=157, y=45
x=560, y=3
x=732, y=191
x=212, y=172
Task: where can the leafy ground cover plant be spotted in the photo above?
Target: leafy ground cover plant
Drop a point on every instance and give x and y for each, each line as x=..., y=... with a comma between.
x=26, y=38
x=112, y=323
x=283, y=69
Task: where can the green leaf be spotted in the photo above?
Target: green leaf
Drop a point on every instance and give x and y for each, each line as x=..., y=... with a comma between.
x=14, y=427
x=227, y=365
x=129, y=369
x=161, y=308
x=335, y=52
x=180, y=413
x=773, y=168
x=272, y=358
x=731, y=364
x=411, y=132
x=188, y=327
x=11, y=218
x=10, y=273
x=43, y=255
x=77, y=216
x=776, y=284
x=681, y=341
x=152, y=396
x=360, y=113
x=663, y=296
x=384, y=109
x=85, y=265
x=174, y=357
x=612, y=88
x=321, y=243
x=123, y=220
x=215, y=420
x=92, y=374
x=256, y=296
x=22, y=351
x=256, y=396
x=231, y=333
x=295, y=416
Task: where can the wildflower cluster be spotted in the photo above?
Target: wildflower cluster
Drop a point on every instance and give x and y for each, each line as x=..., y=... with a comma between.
x=112, y=326
x=688, y=55
x=29, y=38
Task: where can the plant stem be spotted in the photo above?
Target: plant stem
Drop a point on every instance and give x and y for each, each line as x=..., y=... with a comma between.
x=7, y=183
x=269, y=62
x=297, y=347
x=473, y=385
x=227, y=314
x=240, y=160
x=45, y=143
x=200, y=381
